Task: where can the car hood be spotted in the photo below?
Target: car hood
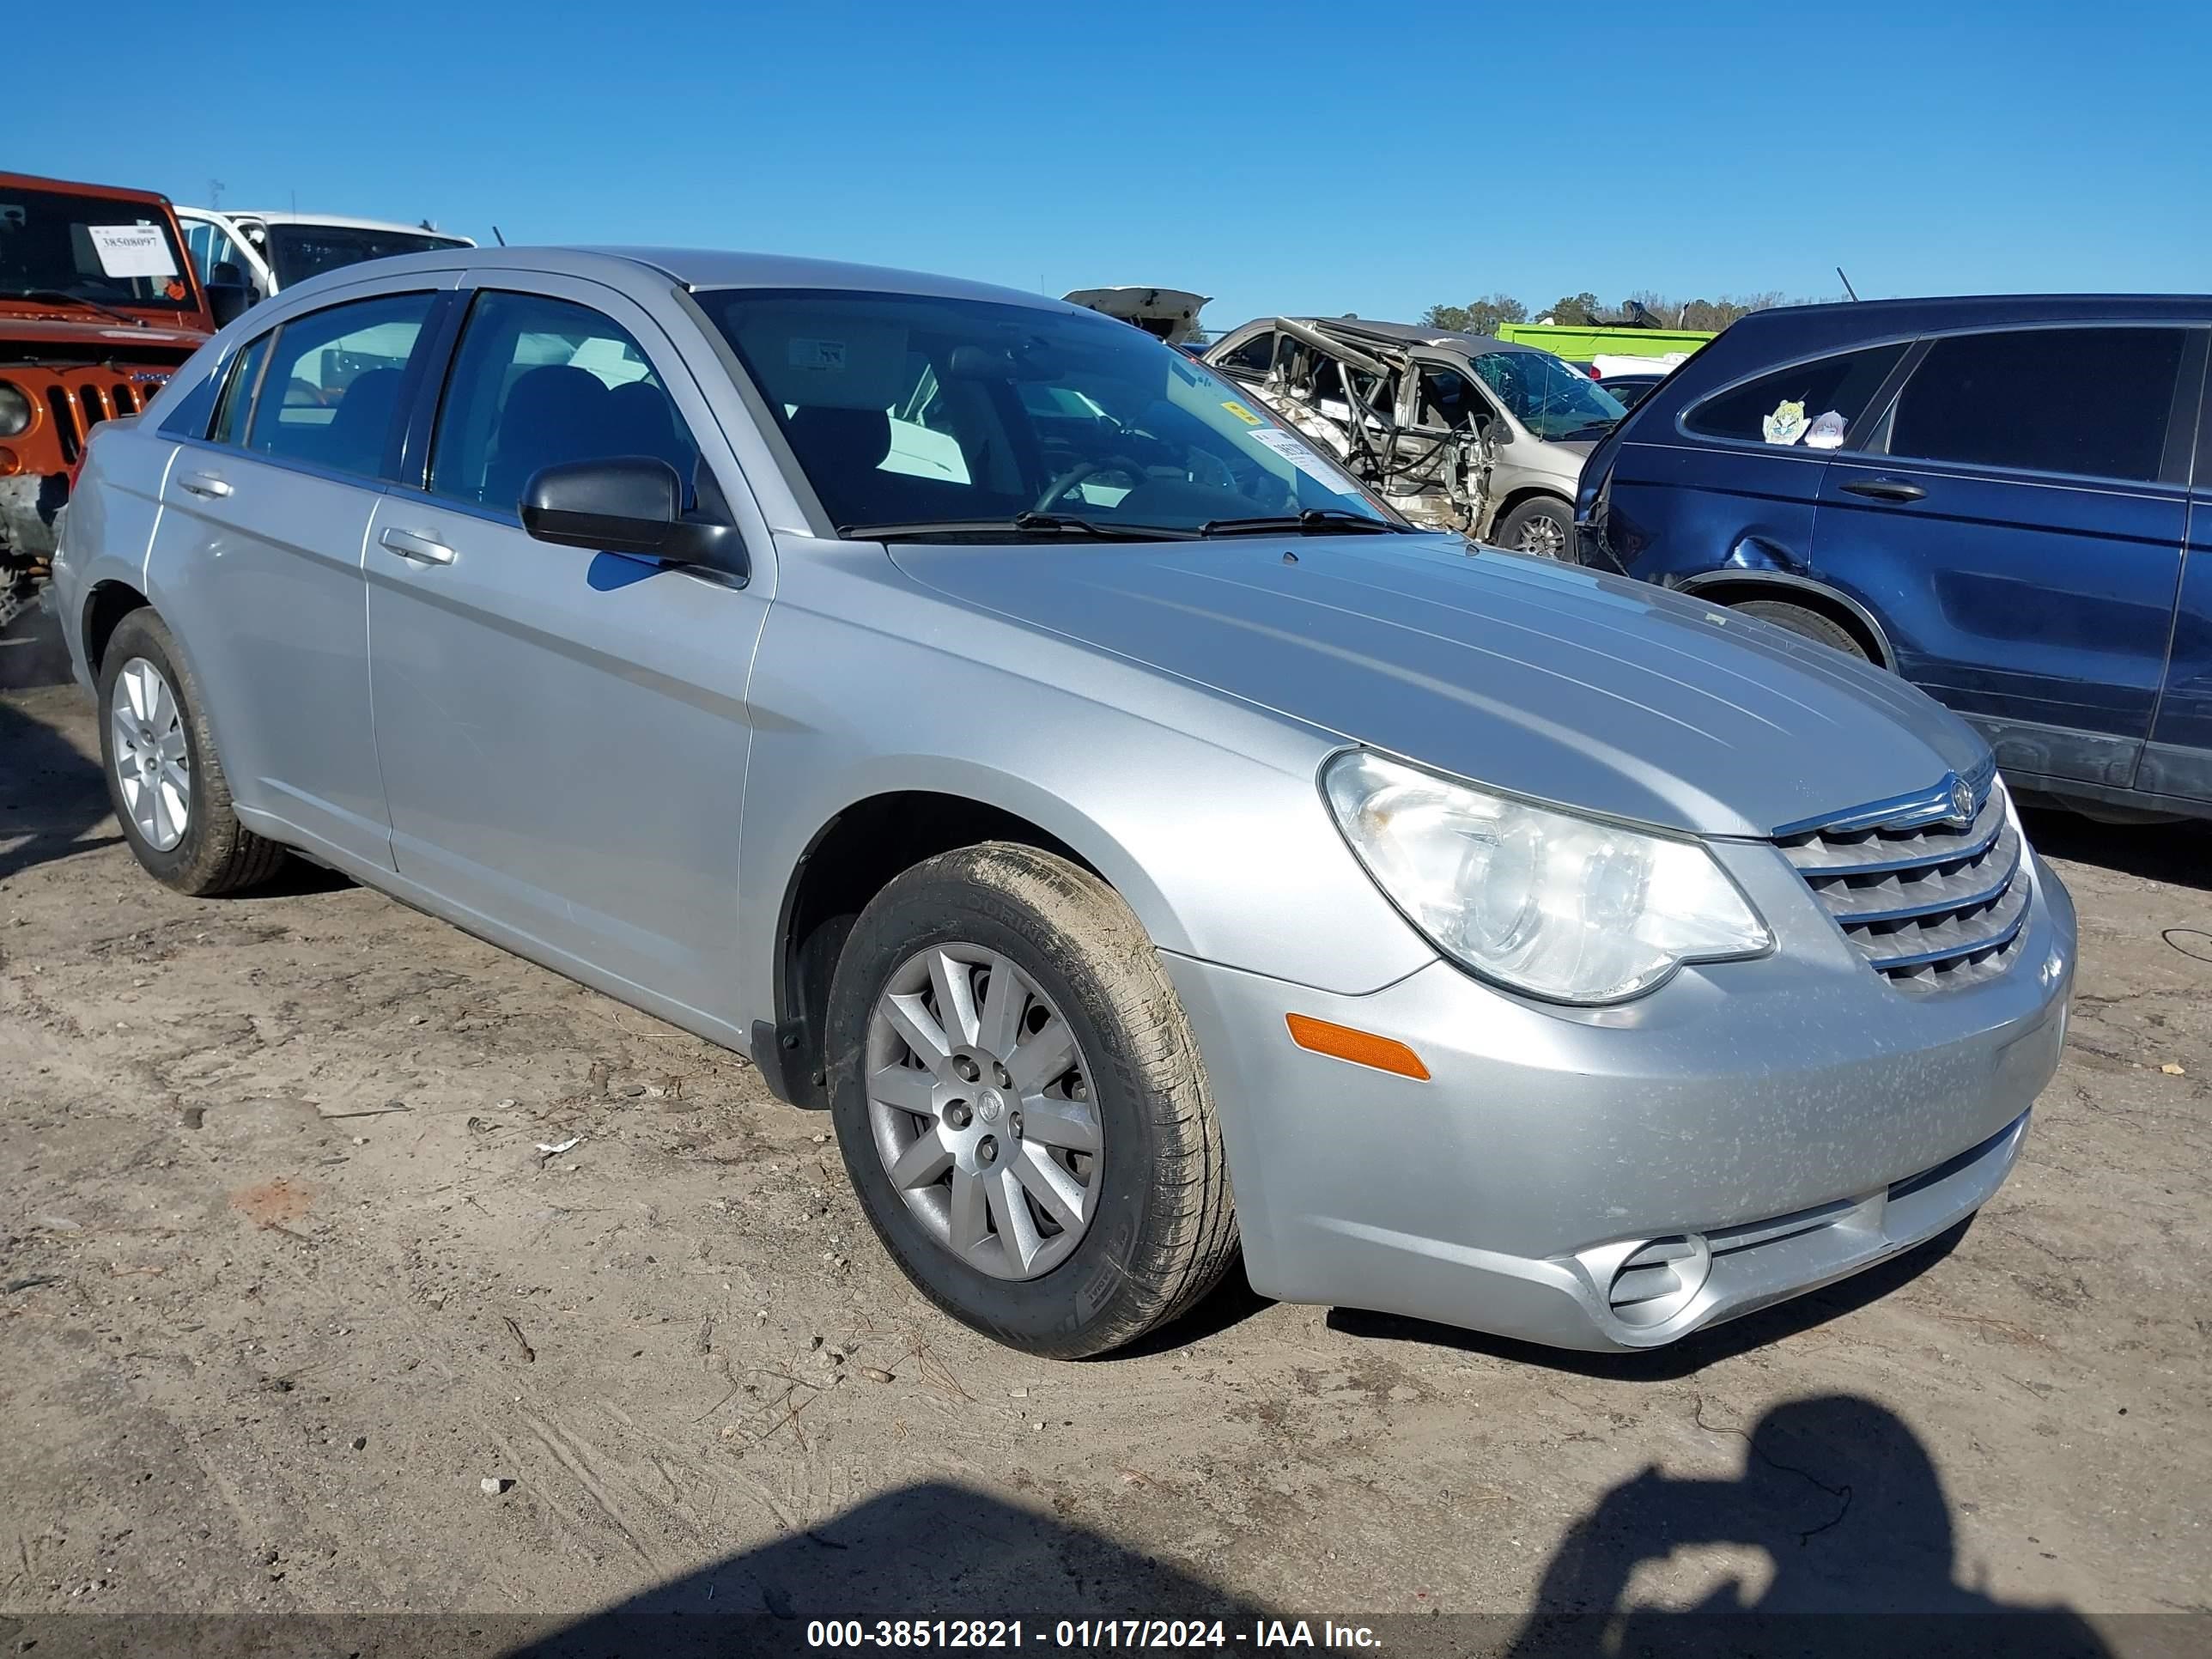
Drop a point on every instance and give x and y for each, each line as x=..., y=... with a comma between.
x=101, y=337
x=1169, y=312
x=1591, y=691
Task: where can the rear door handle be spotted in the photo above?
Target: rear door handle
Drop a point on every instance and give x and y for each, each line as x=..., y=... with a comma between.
x=205, y=484
x=1885, y=489
x=421, y=549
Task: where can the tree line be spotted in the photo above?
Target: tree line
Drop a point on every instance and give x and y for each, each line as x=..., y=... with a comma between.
x=1645, y=308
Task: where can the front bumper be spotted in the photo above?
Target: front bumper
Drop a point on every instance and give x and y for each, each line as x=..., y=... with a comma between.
x=1768, y=1125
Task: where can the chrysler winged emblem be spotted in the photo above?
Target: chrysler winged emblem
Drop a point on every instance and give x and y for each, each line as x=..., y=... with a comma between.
x=1962, y=802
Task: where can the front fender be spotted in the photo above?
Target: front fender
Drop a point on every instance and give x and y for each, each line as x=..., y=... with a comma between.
x=1201, y=811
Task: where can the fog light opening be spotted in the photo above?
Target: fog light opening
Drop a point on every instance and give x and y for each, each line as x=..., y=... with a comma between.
x=1659, y=1280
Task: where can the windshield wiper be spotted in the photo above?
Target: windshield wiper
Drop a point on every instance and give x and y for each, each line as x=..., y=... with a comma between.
x=1314, y=521
x=58, y=296
x=1022, y=524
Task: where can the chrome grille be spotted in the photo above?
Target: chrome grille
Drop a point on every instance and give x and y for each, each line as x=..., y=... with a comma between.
x=1932, y=905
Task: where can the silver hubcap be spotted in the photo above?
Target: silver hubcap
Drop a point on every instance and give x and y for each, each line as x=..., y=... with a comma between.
x=152, y=763
x=1543, y=535
x=980, y=1101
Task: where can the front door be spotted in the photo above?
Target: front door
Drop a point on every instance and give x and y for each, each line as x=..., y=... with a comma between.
x=263, y=524
x=2019, y=532
x=564, y=734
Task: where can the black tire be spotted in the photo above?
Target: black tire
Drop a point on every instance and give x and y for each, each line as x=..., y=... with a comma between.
x=217, y=854
x=1164, y=1230
x=1542, y=524
x=1807, y=624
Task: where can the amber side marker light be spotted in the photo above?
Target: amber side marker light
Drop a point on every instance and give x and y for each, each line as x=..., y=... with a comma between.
x=1360, y=1048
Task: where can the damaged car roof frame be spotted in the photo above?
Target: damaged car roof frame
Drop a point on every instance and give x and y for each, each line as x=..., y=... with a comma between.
x=1432, y=474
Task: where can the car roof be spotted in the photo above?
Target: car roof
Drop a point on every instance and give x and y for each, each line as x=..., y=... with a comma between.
x=109, y=193
x=700, y=270
x=1412, y=334
x=343, y=221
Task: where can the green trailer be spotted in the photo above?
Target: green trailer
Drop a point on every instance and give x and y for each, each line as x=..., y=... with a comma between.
x=1581, y=346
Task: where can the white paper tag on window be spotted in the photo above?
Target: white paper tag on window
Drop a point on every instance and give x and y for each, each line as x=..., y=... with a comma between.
x=132, y=250
x=1298, y=456
x=1826, y=432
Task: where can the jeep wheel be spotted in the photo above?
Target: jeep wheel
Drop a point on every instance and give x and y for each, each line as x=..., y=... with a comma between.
x=1020, y=1105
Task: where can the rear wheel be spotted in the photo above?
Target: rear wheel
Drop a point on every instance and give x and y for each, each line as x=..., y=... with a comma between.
x=1020, y=1105
x=1808, y=624
x=164, y=778
x=1541, y=523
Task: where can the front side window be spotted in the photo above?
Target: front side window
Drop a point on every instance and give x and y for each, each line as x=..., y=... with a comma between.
x=1815, y=406
x=2090, y=401
x=55, y=243
x=1545, y=396
x=332, y=390
x=539, y=382
x=937, y=414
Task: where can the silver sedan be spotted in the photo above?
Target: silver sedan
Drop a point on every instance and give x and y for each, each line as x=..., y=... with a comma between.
x=1021, y=746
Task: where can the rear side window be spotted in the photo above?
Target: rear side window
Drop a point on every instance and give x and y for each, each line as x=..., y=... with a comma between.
x=237, y=400
x=2092, y=401
x=1792, y=406
x=333, y=386
x=1256, y=356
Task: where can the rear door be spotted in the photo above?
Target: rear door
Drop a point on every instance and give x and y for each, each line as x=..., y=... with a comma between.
x=258, y=560
x=1737, y=487
x=2017, y=526
x=563, y=734
x=2178, y=761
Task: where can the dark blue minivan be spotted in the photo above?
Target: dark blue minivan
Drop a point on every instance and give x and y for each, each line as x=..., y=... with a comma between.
x=2007, y=500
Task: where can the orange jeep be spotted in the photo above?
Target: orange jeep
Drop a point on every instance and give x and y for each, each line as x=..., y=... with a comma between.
x=98, y=305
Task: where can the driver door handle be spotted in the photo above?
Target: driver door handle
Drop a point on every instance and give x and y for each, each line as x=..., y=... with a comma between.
x=1885, y=489
x=421, y=549
x=209, y=484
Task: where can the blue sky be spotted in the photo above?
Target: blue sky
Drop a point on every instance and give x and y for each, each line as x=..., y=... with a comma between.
x=1539, y=149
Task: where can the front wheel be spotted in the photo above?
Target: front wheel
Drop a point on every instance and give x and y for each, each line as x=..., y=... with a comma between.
x=1020, y=1105
x=1540, y=525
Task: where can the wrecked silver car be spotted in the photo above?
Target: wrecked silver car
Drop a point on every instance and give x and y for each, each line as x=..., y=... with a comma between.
x=1459, y=431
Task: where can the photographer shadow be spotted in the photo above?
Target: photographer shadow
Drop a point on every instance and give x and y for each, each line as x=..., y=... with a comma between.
x=1844, y=1502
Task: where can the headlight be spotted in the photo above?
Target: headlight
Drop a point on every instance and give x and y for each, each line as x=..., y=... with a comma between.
x=1560, y=906
x=14, y=412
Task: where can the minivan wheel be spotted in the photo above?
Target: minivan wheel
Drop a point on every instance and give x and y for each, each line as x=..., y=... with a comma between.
x=1020, y=1105
x=164, y=778
x=1808, y=624
x=1540, y=524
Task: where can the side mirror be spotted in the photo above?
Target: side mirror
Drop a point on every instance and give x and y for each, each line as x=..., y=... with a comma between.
x=626, y=504
x=228, y=300
x=1497, y=432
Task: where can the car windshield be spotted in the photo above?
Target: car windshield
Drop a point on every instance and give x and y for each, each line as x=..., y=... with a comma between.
x=296, y=252
x=911, y=413
x=1545, y=396
x=89, y=248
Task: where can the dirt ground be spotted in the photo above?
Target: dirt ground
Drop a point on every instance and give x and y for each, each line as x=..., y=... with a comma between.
x=288, y=1278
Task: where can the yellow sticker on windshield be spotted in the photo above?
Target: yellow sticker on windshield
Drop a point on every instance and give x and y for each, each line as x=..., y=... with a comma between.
x=1241, y=413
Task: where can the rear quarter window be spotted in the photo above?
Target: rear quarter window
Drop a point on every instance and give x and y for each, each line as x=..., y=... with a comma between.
x=1790, y=407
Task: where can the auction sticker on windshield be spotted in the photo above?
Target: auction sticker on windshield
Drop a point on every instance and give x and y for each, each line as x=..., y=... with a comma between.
x=131, y=250
x=1297, y=455
x=1240, y=411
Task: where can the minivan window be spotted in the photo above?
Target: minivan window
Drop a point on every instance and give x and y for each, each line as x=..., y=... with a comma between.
x=1256, y=355
x=333, y=386
x=937, y=415
x=539, y=382
x=1552, y=400
x=1783, y=408
x=2090, y=401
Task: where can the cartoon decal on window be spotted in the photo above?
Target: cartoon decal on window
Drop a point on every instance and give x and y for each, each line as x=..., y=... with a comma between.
x=1786, y=425
x=1826, y=432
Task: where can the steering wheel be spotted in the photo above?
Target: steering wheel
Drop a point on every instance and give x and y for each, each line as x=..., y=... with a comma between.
x=1075, y=475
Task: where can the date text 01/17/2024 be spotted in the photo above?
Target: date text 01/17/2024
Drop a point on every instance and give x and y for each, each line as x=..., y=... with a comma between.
x=1082, y=1634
